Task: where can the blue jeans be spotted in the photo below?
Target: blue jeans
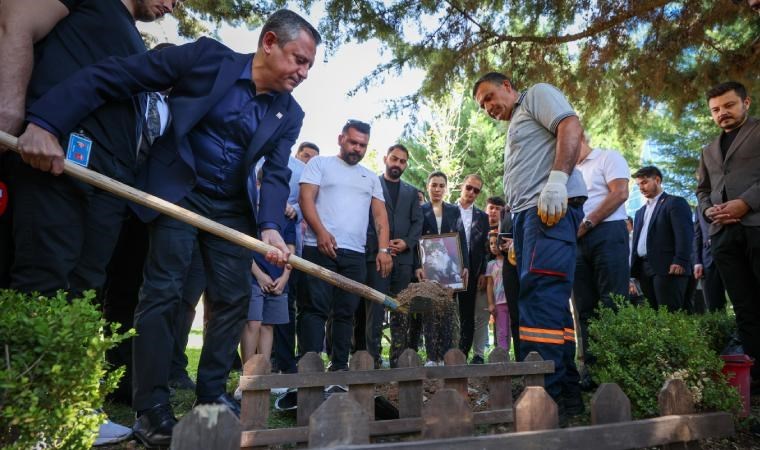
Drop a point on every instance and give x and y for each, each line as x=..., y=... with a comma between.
x=326, y=301
x=546, y=265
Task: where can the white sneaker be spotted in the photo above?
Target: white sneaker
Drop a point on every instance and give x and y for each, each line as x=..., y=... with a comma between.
x=278, y=391
x=238, y=395
x=112, y=433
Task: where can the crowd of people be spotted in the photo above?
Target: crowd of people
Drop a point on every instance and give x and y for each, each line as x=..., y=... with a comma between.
x=212, y=131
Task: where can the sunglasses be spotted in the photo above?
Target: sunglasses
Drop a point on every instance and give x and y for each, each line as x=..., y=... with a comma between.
x=472, y=188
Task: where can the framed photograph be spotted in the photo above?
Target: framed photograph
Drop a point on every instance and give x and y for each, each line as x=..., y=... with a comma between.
x=441, y=260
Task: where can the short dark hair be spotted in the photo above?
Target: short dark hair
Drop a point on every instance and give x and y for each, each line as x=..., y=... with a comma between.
x=162, y=45
x=358, y=125
x=493, y=78
x=398, y=147
x=648, y=172
x=728, y=86
x=496, y=200
x=475, y=176
x=308, y=144
x=287, y=25
x=438, y=173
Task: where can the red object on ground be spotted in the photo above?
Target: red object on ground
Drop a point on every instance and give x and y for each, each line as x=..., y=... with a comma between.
x=736, y=369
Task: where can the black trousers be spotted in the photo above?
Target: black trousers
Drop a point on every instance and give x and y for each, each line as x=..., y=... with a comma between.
x=195, y=284
x=228, y=292
x=713, y=289
x=736, y=251
x=120, y=293
x=511, y=280
x=284, y=346
x=326, y=301
x=64, y=230
x=601, y=271
x=467, y=313
x=663, y=290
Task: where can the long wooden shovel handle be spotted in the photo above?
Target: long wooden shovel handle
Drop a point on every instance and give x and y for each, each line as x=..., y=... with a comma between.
x=137, y=196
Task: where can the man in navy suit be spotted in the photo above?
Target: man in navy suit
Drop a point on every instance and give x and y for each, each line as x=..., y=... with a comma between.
x=662, y=242
x=475, y=222
x=229, y=110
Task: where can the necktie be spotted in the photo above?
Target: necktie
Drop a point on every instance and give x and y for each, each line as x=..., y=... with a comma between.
x=154, y=118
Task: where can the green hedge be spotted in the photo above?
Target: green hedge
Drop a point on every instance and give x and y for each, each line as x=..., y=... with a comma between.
x=639, y=348
x=53, y=370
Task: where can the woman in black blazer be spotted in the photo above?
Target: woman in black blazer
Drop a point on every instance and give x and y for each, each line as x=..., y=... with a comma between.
x=441, y=329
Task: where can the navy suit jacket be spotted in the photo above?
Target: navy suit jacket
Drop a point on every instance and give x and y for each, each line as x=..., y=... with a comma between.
x=702, y=242
x=404, y=219
x=669, y=239
x=451, y=222
x=199, y=74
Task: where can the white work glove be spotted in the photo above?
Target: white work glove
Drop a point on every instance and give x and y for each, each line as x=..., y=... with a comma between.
x=552, y=202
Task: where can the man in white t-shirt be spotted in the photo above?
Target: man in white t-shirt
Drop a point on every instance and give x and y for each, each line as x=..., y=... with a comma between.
x=601, y=264
x=336, y=195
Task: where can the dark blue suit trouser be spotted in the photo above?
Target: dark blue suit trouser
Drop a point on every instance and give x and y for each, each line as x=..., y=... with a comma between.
x=601, y=271
x=546, y=263
x=326, y=301
x=228, y=292
x=663, y=290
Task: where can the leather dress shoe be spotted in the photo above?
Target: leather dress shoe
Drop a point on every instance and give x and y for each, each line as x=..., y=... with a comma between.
x=224, y=399
x=153, y=427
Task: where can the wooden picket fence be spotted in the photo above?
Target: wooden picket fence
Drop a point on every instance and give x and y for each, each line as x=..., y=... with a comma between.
x=347, y=420
x=361, y=381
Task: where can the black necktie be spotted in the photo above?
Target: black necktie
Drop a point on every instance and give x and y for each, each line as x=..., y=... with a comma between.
x=154, y=118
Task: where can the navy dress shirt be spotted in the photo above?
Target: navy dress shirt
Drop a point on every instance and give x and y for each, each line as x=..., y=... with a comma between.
x=220, y=140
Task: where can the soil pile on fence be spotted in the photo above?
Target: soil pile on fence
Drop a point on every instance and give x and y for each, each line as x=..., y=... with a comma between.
x=438, y=297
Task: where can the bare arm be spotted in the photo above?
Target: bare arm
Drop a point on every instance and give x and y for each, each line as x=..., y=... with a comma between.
x=569, y=133
x=22, y=24
x=307, y=198
x=617, y=196
x=380, y=216
x=383, y=260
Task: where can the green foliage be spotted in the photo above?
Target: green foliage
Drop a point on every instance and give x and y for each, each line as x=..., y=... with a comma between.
x=619, y=58
x=455, y=137
x=53, y=371
x=639, y=348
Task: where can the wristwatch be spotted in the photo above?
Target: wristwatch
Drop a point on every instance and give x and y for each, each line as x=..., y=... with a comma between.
x=384, y=250
x=587, y=223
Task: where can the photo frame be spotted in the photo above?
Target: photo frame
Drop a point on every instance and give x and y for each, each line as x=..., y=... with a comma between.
x=441, y=260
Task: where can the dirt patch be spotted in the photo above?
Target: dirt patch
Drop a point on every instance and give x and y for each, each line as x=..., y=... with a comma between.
x=428, y=292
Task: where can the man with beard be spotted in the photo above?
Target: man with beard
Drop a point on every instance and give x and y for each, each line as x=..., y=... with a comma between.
x=405, y=228
x=336, y=195
x=729, y=198
x=64, y=232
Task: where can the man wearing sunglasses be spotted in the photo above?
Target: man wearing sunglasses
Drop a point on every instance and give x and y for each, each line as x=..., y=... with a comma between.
x=475, y=223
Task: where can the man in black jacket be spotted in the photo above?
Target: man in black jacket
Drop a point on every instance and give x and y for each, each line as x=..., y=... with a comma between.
x=405, y=221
